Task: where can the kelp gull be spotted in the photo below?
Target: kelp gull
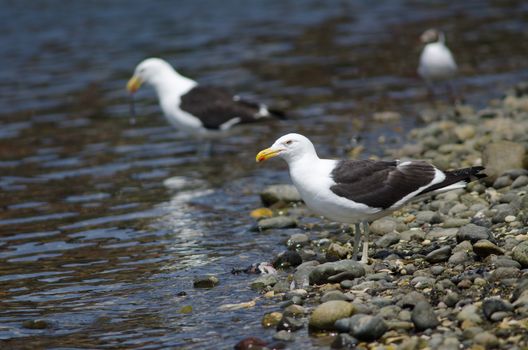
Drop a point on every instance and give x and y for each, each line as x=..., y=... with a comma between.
x=360, y=191
x=204, y=111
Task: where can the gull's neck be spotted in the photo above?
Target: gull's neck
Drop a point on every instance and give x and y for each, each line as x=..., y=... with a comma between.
x=170, y=84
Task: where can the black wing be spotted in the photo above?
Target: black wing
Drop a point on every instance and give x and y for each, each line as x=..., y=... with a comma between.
x=216, y=106
x=379, y=184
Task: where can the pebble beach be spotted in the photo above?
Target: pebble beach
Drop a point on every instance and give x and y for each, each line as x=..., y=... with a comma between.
x=448, y=272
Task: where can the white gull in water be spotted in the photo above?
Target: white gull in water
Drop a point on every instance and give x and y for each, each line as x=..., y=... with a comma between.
x=360, y=191
x=203, y=111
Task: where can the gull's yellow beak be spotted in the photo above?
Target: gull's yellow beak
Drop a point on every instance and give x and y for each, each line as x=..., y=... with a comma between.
x=267, y=154
x=134, y=84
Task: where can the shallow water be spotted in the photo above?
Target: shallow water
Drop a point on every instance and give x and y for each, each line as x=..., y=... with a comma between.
x=103, y=223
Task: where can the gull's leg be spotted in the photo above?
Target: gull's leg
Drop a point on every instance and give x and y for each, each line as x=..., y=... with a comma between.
x=364, y=256
x=357, y=236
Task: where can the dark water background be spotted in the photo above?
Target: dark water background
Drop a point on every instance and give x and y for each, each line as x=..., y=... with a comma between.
x=103, y=223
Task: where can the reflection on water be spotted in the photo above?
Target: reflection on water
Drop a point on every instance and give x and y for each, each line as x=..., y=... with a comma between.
x=104, y=224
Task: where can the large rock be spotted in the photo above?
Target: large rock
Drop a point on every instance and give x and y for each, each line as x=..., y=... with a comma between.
x=336, y=272
x=500, y=156
x=326, y=314
x=280, y=193
x=367, y=328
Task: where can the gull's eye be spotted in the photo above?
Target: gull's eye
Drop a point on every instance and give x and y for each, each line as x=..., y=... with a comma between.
x=289, y=142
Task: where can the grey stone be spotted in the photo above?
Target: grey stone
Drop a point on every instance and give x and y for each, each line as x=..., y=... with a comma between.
x=336, y=272
x=289, y=324
x=286, y=259
x=409, y=300
x=502, y=261
x=263, y=281
x=388, y=239
x=502, y=181
x=280, y=193
x=344, y=341
x=425, y=216
x=334, y=295
x=451, y=298
x=284, y=336
x=302, y=273
x=487, y=340
x=473, y=233
x=205, y=282
x=325, y=315
x=502, y=273
x=503, y=210
x=492, y=305
x=439, y=255
x=520, y=181
x=298, y=240
x=276, y=222
x=459, y=258
x=455, y=222
x=294, y=310
x=367, y=328
x=423, y=316
x=520, y=254
x=346, y=284
x=483, y=248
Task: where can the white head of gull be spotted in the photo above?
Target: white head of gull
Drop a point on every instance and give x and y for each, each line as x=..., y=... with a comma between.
x=360, y=191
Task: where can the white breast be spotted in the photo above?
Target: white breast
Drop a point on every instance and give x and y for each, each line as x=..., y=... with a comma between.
x=436, y=62
x=313, y=181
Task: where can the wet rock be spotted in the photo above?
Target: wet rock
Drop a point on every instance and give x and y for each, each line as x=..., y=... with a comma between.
x=281, y=287
x=492, y=305
x=271, y=319
x=250, y=343
x=326, y=314
x=298, y=240
x=483, y=248
x=284, y=336
x=205, y=282
x=336, y=251
x=439, y=255
x=294, y=310
x=36, y=324
x=263, y=281
x=301, y=277
x=334, y=295
x=423, y=316
x=280, y=193
x=336, y=272
x=520, y=254
x=473, y=233
x=289, y=324
x=500, y=156
x=520, y=181
x=388, y=239
x=287, y=259
x=367, y=327
x=277, y=222
x=344, y=341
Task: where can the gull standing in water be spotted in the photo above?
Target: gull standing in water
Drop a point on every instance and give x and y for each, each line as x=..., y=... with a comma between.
x=360, y=191
x=206, y=112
